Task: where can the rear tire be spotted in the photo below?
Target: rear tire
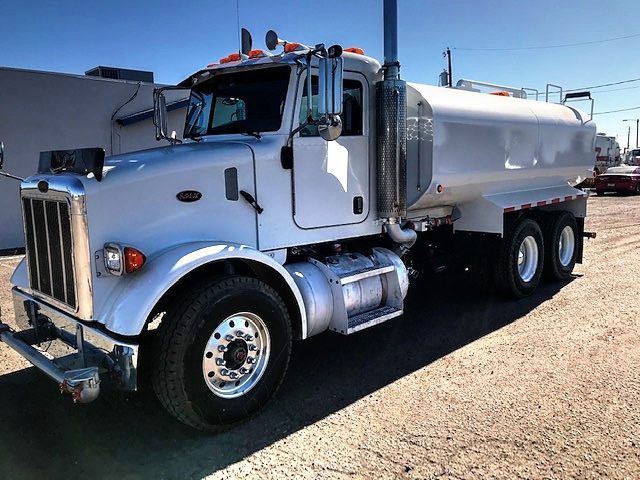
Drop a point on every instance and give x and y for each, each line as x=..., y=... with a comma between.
x=518, y=266
x=599, y=192
x=560, y=235
x=221, y=352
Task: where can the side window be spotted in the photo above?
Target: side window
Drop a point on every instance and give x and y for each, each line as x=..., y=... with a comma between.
x=351, y=108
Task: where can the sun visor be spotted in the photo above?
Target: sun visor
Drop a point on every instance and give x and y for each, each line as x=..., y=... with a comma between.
x=81, y=160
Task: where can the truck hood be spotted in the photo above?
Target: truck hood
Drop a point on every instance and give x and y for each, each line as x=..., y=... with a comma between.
x=156, y=198
x=170, y=159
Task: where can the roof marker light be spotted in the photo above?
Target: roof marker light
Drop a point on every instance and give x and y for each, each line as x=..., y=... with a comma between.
x=357, y=50
x=233, y=57
x=259, y=54
x=290, y=47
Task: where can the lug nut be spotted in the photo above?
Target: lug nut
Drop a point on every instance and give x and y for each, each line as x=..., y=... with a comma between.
x=224, y=372
x=251, y=360
x=253, y=347
x=240, y=334
x=229, y=337
x=220, y=361
x=244, y=371
x=222, y=348
x=233, y=376
x=248, y=338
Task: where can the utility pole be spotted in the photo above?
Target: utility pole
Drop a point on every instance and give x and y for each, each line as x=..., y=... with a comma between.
x=637, y=120
x=628, y=138
x=449, y=67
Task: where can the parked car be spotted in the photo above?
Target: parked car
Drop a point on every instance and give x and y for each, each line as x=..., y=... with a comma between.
x=624, y=178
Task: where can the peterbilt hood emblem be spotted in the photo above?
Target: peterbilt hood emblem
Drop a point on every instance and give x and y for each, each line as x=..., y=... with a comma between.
x=189, y=196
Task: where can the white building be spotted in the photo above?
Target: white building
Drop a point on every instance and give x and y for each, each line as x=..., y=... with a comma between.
x=42, y=111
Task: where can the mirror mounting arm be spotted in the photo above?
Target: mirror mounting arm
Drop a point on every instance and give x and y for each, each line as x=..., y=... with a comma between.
x=4, y=174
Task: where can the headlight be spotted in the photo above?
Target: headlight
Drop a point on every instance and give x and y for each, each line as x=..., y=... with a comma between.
x=119, y=260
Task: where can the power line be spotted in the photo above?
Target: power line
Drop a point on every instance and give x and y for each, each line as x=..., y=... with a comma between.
x=547, y=46
x=597, y=86
x=616, y=111
x=618, y=89
x=603, y=85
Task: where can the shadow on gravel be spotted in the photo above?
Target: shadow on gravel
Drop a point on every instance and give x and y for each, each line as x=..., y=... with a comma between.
x=44, y=435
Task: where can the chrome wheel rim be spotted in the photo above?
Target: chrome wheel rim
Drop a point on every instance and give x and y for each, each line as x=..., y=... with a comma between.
x=528, y=259
x=236, y=355
x=566, y=246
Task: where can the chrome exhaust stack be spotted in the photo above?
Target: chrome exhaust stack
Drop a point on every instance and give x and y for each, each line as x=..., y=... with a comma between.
x=391, y=125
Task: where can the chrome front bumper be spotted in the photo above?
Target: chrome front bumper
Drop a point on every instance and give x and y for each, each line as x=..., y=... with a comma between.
x=70, y=352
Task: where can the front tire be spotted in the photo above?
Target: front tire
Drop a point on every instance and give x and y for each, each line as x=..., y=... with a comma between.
x=222, y=352
x=560, y=234
x=520, y=259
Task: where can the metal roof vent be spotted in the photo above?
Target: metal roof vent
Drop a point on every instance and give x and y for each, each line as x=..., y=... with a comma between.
x=121, y=74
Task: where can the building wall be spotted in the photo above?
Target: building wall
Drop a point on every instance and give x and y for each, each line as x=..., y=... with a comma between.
x=42, y=111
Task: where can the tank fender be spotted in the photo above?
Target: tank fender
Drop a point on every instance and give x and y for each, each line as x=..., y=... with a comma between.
x=130, y=304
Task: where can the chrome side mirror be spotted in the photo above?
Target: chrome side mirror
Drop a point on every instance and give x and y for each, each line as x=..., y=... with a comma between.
x=330, y=85
x=331, y=128
x=160, y=113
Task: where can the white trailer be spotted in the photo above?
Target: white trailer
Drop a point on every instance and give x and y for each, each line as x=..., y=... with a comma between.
x=607, y=152
x=311, y=186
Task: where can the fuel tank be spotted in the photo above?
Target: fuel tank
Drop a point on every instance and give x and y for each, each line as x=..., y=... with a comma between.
x=462, y=145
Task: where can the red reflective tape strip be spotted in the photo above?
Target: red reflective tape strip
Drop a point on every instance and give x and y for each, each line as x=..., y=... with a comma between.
x=542, y=203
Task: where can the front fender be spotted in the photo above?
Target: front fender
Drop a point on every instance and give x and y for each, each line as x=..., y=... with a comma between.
x=129, y=304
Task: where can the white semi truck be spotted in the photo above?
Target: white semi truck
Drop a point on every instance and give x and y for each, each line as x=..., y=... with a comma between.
x=607, y=152
x=311, y=186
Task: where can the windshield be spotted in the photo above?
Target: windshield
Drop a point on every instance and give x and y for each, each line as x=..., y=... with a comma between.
x=250, y=101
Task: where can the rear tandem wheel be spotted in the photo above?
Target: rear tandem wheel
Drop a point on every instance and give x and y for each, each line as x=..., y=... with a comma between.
x=518, y=266
x=560, y=234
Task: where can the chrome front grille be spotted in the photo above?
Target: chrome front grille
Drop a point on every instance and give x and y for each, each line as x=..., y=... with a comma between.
x=49, y=248
x=56, y=232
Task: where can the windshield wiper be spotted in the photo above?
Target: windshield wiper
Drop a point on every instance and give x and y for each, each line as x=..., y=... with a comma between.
x=253, y=134
x=192, y=120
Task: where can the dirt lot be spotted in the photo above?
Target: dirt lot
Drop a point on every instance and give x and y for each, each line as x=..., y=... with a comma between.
x=461, y=386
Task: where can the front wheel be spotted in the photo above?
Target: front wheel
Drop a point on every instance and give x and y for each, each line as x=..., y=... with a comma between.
x=222, y=352
x=519, y=264
x=560, y=234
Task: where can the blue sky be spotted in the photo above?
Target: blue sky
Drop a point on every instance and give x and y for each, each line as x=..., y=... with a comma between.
x=574, y=44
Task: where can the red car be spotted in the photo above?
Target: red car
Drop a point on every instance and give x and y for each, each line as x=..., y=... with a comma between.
x=625, y=178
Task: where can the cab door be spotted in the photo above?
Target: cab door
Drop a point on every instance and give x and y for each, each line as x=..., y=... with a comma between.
x=331, y=179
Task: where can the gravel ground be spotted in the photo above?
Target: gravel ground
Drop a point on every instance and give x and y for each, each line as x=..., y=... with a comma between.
x=463, y=386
